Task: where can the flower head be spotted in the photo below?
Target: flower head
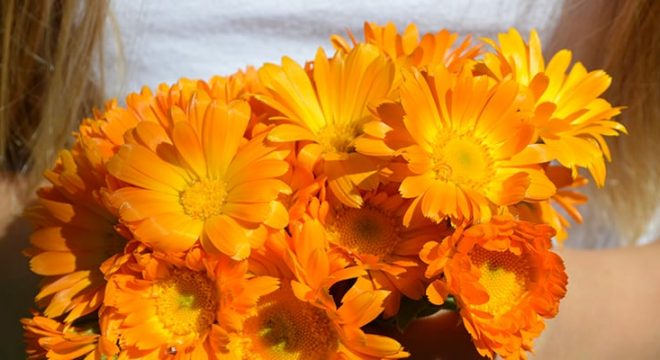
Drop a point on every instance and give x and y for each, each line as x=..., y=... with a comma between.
x=374, y=236
x=566, y=198
x=302, y=320
x=192, y=179
x=287, y=327
x=171, y=304
x=504, y=278
x=460, y=137
x=77, y=239
x=408, y=49
x=571, y=117
x=48, y=338
x=327, y=111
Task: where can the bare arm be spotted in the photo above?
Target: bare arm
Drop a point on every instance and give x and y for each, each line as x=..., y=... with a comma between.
x=612, y=309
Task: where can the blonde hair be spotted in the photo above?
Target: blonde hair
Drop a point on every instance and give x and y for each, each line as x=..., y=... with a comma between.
x=50, y=49
x=47, y=83
x=622, y=37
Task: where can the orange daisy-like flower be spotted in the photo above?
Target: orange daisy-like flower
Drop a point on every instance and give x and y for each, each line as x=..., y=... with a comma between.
x=193, y=180
x=566, y=198
x=407, y=48
x=505, y=280
x=572, y=119
x=170, y=305
x=327, y=110
x=301, y=319
x=373, y=236
x=286, y=327
x=77, y=237
x=460, y=137
x=48, y=338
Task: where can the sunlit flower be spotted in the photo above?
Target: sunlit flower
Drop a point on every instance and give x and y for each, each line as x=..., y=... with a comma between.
x=327, y=110
x=409, y=49
x=169, y=305
x=460, y=136
x=572, y=119
x=286, y=327
x=505, y=280
x=566, y=199
x=48, y=338
x=77, y=237
x=373, y=236
x=302, y=320
x=196, y=182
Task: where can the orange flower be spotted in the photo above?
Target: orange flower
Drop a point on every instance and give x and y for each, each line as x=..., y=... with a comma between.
x=192, y=180
x=505, y=281
x=172, y=305
x=77, y=238
x=407, y=48
x=316, y=269
x=314, y=265
x=327, y=111
x=301, y=320
x=572, y=119
x=460, y=137
x=102, y=135
x=286, y=327
x=373, y=236
x=47, y=338
x=545, y=212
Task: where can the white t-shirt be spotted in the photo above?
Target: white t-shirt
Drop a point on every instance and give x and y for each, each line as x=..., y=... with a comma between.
x=164, y=40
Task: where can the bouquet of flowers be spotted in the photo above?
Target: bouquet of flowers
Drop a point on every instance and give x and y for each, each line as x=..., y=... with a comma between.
x=276, y=212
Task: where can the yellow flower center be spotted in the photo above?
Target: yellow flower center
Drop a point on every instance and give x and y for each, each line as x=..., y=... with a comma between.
x=204, y=199
x=365, y=230
x=286, y=328
x=462, y=160
x=185, y=302
x=337, y=138
x=505, y=276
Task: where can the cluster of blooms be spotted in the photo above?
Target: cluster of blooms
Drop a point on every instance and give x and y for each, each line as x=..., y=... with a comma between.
x=274, y=213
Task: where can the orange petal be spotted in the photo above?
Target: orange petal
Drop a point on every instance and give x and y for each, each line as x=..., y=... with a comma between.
x=361, y=309
x=414, y=186
x=189, y=148
x=136, y=204
x=437, y=292
x=224, y=234
x=224, y=126
x=137, y=165
x=290, y=132
x=169, y=232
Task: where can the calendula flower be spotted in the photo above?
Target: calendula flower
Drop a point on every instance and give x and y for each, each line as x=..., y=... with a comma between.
x=196, y=181
x=104, y=134
x=286, y=327
x=373, y=236
x=327, y=110
x=165, y=305
x=460, y=137
x=77, y=237
x=301, y=320
x=408, y=49
x=50, y=339
x=572, y=119
x=566, y=198
x=505, y=280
